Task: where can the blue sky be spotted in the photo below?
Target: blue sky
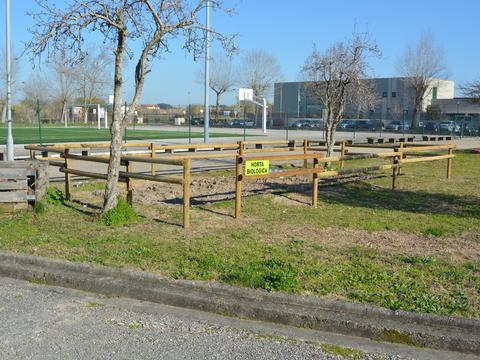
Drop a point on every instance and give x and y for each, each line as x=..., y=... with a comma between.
x=288, y=29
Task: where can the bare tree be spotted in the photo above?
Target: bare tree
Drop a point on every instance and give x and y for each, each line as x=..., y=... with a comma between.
x=222, y=78
x=471, y=90
x=147, y=25
x=422, y=65
x=94, y=75
x=65, y=76
x=259, y=71
x=35, y=87
x=337, y=77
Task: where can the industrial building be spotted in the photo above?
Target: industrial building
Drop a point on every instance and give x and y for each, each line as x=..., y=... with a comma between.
x=395, y=96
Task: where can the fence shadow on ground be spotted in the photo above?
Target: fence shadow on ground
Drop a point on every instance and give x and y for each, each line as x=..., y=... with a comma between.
x=354, y=192
x=362, y=194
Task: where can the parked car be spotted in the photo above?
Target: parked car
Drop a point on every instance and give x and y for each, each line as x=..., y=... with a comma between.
x=299, y=124
x=365, y=125
x=398, y=126
x=197, y=121
x=346, y=124
x=241, y=123
x=307, y=124
x=449, y=126
x=431, y=126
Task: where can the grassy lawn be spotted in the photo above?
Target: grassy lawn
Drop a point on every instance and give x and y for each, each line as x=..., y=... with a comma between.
x=25, y=135
x=417, y=248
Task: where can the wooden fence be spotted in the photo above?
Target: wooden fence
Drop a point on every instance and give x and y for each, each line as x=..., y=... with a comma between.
x=242, y=151
x=398, y=156
x=126, y=176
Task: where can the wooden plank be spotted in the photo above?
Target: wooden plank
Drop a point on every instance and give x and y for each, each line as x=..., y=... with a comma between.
x=20, y=184
x=427, y=158
x=152, y=160
x=283, y=157
x=432, y=147
x=13, y=196
x=99, y=159
x=165, y=179
x=87, y=174
x=16, y=173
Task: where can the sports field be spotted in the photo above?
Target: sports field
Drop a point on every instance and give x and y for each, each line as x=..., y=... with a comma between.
x=25, y=135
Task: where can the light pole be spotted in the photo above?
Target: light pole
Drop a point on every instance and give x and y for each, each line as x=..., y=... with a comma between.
x=10, y=152
x=206, y=111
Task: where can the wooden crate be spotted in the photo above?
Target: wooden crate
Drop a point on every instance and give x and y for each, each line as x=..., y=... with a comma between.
x=21, y=183
x=14, y=188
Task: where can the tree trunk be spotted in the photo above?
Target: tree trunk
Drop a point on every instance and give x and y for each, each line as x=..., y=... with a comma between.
x=329, y=137
x=416, y=119
x=116, y=129
x=217, y=104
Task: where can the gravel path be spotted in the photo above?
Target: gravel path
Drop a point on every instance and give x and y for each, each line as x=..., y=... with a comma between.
x=45, y=322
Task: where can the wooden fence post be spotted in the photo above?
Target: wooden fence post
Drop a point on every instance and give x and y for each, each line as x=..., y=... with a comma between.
x=315, y=184
x=305, y=148
x=152, y=155
x=241, y=148
x=186, y=193
x=449, y=164
x=68, y=177
x=129, y=167
x=238, y=186
x=402, y=156
x=395, y=169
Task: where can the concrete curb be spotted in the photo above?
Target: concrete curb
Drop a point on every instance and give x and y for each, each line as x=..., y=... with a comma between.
x=446, y=333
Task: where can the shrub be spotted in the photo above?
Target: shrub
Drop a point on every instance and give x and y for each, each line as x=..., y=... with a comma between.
x=54, y=196
x=121, y=214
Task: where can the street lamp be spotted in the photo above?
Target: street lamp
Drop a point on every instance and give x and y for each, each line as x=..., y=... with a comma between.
x=10, y=152
x=206, y=112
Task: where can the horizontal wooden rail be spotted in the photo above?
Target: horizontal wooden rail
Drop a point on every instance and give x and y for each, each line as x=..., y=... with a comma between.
x=429, y=148
x=266, y=150
x=152, y=160
x=164, y=179
x=197, y=146
x=45, y=148
x=283, y=157
x=87, y=174
x=98, y=159
x=427, y=158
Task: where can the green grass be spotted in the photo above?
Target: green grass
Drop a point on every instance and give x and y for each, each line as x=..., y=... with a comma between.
x=277, y=247
x=25, y=135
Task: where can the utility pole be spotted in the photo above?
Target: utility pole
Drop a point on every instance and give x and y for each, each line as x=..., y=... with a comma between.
x=10, y=152
x=206, y=111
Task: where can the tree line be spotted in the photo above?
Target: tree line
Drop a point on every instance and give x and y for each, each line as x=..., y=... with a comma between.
x=55, y=84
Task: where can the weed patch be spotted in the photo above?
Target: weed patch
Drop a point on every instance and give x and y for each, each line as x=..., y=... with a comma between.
x=121, y=214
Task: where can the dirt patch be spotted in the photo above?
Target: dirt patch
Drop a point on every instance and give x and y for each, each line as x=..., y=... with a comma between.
x=206, y=190
x=465, y=247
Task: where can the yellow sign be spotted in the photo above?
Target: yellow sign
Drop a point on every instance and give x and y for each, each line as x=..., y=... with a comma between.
x=257, y=167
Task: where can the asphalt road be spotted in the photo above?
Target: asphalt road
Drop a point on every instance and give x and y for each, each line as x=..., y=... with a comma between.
x=45, y=322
